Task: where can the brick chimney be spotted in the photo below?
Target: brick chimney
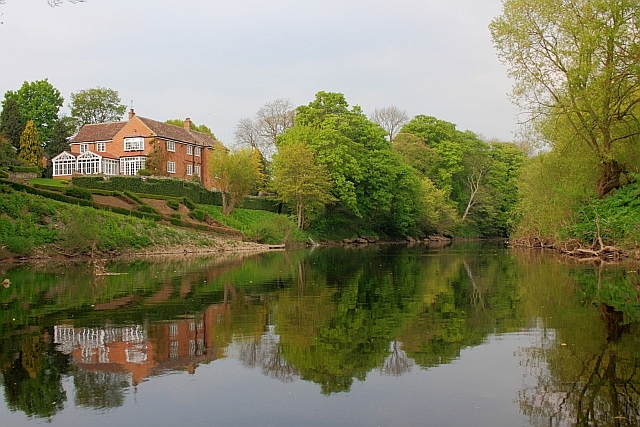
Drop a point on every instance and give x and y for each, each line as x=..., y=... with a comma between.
x=131, y=113
x=187, y=124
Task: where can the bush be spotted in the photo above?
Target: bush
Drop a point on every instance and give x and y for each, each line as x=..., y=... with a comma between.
x=173, y=204
x=189, y=203
x=198, y=214
x=147, y=209
x=176, y=216
x=25, y=169
x=144, y=172
x=133, y=197
x=78, y=193
x=19, y=245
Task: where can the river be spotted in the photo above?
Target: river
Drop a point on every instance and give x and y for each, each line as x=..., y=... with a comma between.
x=471, y=334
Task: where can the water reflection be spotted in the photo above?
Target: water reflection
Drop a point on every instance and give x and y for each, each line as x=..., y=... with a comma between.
x=330, y=317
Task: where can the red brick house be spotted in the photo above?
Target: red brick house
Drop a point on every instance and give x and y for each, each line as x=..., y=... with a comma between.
x=123, y=148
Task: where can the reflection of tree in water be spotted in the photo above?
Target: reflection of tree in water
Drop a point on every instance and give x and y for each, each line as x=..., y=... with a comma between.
x=584, y=385
x=397, y=362
x=265, y=352
x=33, y=380
x=100, y=390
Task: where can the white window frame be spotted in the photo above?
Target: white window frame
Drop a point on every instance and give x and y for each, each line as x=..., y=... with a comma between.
x=198, y=151
x=89, y=163
x=171, y=167
x=171, y=146
x=197, y=170
x=84, y=148
x=189, y=169
x=110, y=166
x=189, y=150
x=64, y=164
x=101, y=147
x=131, y=165
x=134, y=144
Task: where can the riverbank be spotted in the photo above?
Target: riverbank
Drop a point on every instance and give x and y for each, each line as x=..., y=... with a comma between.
x=37, y=228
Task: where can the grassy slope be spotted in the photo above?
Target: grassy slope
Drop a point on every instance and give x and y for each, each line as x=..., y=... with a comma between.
x=28, y=221
x=618, y=217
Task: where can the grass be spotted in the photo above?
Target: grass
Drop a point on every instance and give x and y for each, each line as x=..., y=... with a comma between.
x=261, y=226
x=28, y=221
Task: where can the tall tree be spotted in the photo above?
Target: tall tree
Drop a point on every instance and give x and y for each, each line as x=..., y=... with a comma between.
x=261, y=132
x=31, y=151
x=38, y=101
x=62, y=130
x=575, y=65
x=233, y=174
x=299, y=181
x=96, y=105
x=11, y=121
x=390, y=119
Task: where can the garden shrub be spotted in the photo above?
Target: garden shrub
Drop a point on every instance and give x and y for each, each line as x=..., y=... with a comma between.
x=173, y=204
x=198, y=214
x=78, y=193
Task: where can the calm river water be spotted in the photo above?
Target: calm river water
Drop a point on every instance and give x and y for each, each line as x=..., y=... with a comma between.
x=473, y=334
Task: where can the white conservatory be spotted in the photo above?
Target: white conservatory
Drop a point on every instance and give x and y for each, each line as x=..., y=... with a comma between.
x=66, y=164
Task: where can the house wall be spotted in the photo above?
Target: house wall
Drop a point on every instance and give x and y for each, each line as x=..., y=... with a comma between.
x=136, y=128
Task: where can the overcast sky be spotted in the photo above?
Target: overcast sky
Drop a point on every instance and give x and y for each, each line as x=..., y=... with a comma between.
x=218, y=61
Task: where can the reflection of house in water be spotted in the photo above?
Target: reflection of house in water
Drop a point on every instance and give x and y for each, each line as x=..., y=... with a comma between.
x=143, y=351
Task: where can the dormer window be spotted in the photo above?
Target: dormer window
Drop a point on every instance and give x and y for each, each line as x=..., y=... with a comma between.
x=134, y=144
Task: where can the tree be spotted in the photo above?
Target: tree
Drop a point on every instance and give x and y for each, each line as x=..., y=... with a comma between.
x=575, y=65
x=96, y=105
x=299, y=181
x=233, y=174
x=31, y=151
x=390, y=119
x=38, y=101
x=198, y=128
x=62, y=130
x=261, y=132
x=8, y=155
x=11, y=121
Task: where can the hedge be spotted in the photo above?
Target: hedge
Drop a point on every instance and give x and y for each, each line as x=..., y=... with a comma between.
x=72, y=200
x=49, y=187
x=173, y=188
x=25, y=169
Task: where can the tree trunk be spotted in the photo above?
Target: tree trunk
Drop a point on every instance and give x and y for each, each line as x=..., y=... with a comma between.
x=610, y=178
x=228, y=204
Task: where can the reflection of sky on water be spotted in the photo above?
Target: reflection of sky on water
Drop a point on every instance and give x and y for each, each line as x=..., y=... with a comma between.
x=477, y=389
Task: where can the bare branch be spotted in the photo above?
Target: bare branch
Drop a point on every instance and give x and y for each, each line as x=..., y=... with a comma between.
x=390, y=119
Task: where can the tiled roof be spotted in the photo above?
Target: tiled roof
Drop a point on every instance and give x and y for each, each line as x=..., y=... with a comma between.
x=177, y=133
x=98, y=132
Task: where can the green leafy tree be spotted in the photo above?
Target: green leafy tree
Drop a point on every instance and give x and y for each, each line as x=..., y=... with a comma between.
x=38, y=101
x=198, y=128
x=301, y=182
x=233, y=174
x=575, y=66
x=31, y=151
x=11, y=121
x=96, y=105
x=375, y=190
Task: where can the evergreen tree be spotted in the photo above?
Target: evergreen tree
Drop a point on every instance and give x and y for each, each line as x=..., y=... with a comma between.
x=31, y=151
x=11, y=121
x=59, y=137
